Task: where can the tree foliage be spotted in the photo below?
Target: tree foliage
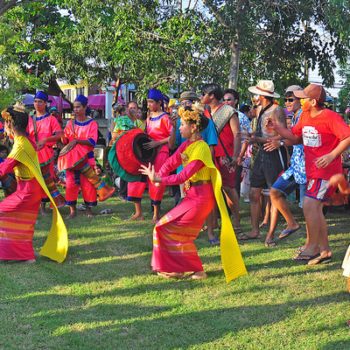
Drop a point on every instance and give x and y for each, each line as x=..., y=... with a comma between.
x=158, y=43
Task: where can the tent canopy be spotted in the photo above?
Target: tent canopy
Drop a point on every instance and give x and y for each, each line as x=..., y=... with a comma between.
x=99, y=101
x=28, y=100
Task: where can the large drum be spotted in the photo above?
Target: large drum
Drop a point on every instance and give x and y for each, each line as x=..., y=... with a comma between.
x=72, y=157
x=128, y=153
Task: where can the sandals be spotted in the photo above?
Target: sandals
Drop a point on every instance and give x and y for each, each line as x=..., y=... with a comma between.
x=245, y=237
x=304, y=258
x=287, y=232
x=214, y=241
x=270, y=243
x=320, y=260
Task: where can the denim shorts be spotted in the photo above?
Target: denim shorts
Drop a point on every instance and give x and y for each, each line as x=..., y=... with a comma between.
x=285, y=186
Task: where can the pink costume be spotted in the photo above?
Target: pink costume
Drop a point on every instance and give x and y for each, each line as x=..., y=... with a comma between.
x=18, y=214
x=86, y=130
x=43, y=127
x=158, y=128
x=174, y=234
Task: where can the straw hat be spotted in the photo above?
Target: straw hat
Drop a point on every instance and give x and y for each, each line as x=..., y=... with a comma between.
x=264, y=88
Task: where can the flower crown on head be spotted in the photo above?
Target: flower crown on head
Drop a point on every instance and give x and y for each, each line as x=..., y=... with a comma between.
x=19, y=107
x=6, y=115
x=191, y=115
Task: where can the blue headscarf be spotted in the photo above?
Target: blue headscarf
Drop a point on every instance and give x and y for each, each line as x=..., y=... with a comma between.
x=82, y=99
x=154, y=94
x=41, y=95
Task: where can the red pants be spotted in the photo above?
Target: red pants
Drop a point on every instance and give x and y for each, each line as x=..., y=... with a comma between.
x=74, y=181
x=136, y=189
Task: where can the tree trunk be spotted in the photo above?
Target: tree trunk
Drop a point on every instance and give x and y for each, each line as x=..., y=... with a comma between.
x=234, y=64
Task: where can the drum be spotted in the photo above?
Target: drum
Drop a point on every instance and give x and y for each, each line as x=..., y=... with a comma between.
x=128, y=153
x=72, y=157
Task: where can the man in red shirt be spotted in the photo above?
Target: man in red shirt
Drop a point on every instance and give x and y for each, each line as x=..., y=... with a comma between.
x=228, y=148
x=325, y=136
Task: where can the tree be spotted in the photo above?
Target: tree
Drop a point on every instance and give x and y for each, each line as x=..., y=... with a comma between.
x=344, y=93
x=153, y=43
x=278, y=39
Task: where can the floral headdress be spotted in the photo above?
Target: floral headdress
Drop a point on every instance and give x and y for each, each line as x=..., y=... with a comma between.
x=6, y=115
x=193, y=115
x=18, y=107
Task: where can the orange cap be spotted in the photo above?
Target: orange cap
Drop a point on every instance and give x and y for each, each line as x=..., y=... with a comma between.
x=313, y=91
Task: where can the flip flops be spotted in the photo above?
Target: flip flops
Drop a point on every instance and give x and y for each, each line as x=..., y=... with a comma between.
x=303, y=258
x=320, y=260
x=270, y=243
x=245, y=237
x=214, y=241
x=285, y=233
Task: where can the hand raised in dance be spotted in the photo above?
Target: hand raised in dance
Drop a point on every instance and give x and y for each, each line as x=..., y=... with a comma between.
x=149, y=171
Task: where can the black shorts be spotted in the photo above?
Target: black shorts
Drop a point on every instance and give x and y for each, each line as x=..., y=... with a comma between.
x=268, y=166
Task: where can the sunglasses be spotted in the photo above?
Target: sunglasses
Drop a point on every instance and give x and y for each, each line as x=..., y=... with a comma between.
x=227, y=99
x=289, y=100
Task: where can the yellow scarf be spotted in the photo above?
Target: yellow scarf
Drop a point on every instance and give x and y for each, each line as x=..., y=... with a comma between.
x=231, y=256
x=56, y=245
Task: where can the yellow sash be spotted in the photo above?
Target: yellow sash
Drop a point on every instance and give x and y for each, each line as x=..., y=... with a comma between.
x=56, y=245
x=231, y=256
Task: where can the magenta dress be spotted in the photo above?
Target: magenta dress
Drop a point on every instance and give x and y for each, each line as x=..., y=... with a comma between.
x=18, y=214
x=174, y=234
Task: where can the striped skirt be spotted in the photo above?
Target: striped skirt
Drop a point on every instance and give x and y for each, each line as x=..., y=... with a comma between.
x=173, y=237
x=18, y=214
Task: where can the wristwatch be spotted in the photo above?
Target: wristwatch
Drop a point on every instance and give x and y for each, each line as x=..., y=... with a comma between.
x=281, y=143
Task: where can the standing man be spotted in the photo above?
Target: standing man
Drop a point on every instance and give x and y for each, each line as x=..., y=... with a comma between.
x=229, y=144
x=325, y=136
x=294, y=176
x=44, y=130
x=267, y=165
x=231, y=98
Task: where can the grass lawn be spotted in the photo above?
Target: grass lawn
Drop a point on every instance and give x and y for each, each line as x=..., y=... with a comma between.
x=104, y=296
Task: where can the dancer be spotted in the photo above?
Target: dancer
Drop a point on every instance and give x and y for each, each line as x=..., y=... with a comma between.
x=159, y=128
x=325, y=136
x=44, y=130
x=19, y=211
x=80, y=136
x=174, y=251
x=8, y=182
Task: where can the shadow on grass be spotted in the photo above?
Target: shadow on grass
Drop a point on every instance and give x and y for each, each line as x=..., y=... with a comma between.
x=171, y=326
x=337, y=345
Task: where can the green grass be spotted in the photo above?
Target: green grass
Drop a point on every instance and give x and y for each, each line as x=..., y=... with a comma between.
x=105, y=297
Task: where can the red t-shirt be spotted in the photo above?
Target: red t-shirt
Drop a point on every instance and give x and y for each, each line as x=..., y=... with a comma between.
x=321, y=135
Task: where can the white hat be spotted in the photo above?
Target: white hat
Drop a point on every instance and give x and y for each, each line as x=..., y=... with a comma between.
x=264, y=88
x=293, y=88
